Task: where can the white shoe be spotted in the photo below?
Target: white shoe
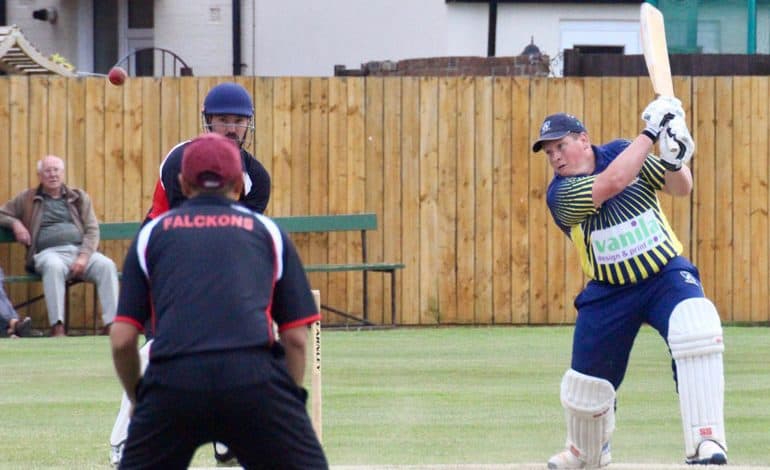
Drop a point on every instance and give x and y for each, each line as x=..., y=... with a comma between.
x=709, y=453
x=566, y=459
x=116, y=453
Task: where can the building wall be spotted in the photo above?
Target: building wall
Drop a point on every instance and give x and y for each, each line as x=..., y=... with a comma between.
x=199, y=31
x=308, y=38
x=60, y=37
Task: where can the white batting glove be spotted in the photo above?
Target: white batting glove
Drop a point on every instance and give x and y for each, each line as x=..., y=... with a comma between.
x=676, y=145
x=658, y=113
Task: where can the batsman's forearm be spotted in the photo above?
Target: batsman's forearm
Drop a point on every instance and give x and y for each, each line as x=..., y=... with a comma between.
x=678, y=183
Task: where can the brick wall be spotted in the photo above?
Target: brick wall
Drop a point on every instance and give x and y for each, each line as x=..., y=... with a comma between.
x=452, y=66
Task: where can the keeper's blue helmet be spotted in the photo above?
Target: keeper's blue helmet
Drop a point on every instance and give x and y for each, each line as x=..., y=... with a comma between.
x=228, y=98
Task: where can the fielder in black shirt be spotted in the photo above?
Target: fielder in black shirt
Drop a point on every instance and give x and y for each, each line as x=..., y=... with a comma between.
x=211, y=277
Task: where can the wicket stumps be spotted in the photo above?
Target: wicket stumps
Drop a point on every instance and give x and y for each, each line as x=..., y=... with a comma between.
x=315, y=374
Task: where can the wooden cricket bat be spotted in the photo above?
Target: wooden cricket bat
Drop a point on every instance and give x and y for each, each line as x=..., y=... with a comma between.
x=655, y=49
x=653, y=33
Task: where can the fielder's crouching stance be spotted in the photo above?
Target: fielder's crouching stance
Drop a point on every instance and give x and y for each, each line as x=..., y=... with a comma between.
x=604, y=198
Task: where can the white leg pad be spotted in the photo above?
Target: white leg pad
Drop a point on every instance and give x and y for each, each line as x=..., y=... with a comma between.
x=120, y=428
x=695, y=339
x=589, y=405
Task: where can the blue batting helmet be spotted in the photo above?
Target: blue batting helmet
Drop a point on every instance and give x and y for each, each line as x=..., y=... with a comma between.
x=228, y=98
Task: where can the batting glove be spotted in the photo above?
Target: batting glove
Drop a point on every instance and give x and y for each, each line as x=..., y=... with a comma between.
x=676, y=145
x=658, y=113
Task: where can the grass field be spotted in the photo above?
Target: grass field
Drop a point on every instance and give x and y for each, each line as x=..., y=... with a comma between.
x=458, y=395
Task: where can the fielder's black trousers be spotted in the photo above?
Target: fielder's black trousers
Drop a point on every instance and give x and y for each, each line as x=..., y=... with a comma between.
x=266, y=425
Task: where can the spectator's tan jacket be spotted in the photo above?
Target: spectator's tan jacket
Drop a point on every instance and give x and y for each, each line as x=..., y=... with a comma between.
x=27, y=207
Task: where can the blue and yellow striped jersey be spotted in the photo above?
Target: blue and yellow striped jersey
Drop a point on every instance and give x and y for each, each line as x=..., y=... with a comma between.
x=627, y=239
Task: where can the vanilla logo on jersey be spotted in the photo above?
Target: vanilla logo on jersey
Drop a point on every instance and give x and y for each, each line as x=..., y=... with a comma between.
x=208, y=221
x=627, y=239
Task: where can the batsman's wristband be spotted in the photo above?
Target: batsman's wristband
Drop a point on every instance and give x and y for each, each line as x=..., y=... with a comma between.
x=670, y=167
x=653, y=137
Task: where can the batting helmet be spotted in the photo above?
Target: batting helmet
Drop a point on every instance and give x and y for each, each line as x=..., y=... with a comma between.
x=228, y=98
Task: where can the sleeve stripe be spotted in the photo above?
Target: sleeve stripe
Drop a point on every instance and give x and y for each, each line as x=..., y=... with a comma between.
x=141, y=244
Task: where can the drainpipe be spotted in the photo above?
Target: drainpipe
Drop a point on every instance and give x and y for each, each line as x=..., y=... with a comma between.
x=237, y=62
x=492, y=31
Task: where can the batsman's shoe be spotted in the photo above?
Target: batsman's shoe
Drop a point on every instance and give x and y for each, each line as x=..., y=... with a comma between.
x=116, y=453
x=567, y=459
x=709, y=453
x=223, y=456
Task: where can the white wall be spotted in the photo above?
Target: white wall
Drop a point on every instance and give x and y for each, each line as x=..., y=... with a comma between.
x=310, y=37
x=61, y=37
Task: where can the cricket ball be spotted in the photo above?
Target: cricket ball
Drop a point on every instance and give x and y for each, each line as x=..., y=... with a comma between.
x=117, y=76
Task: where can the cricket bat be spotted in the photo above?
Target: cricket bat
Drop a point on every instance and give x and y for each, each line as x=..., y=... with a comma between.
x=653, y=34
x=653, y=37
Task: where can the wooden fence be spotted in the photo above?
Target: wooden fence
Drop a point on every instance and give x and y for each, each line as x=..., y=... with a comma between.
x=444, y=162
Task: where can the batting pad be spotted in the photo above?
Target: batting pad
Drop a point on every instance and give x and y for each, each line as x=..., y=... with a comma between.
x=589, y=405
x=120, y=428
x=695, y=340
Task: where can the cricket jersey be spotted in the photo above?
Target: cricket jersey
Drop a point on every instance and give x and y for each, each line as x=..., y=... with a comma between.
x=168, y=191
x=628, y=238
x=211, y=277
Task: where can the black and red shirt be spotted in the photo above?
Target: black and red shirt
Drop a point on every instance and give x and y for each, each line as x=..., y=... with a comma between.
x=168, y=192
x=212, y=276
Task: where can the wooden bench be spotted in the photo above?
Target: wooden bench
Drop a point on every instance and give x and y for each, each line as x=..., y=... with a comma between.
x=341, y=223
x=107, y=231
x=290, y=224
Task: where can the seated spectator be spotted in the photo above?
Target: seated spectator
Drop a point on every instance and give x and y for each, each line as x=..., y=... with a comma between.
x=59, y=227
x=10, y=323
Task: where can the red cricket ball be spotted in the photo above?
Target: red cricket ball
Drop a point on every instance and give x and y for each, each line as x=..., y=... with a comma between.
x=117, y=75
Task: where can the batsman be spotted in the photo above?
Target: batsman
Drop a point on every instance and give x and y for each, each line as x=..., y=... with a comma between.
x=604, y=198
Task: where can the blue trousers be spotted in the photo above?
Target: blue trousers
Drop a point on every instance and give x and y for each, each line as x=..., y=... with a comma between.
x=609, y=317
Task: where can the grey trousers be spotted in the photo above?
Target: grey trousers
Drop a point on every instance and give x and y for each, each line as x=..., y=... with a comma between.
x=7, y=313
x=53, y=265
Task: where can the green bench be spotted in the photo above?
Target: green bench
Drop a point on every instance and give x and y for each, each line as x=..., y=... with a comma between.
x=290, y=224
x=341, y=223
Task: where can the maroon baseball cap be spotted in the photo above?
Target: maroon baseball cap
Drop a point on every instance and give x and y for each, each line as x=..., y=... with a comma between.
x=211, y=161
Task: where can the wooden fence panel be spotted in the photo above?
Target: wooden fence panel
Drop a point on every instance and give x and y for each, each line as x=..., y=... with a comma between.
x=338, y=182
x=758, y=274
x=521, y=135
x=375, y=186
x=501, y=201
x=445, y=163
x=466, y=202
x=704, y=183
x=483, y=187
x=724, y=261
x=297, y=158
x=447, y=200
x=391, y=221
x=428, y=196
x=355, y=195
x=318, y=183
x=21, y=164
x=741, y=157
x=410, y=200
x=539, y=217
